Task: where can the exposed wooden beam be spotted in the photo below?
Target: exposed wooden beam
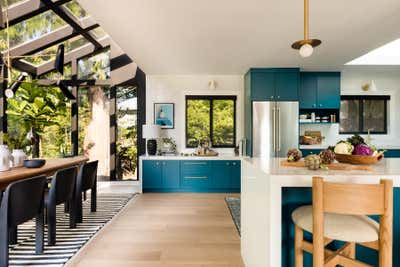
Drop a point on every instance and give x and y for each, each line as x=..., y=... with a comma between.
x=71, y=21
x=24, y=66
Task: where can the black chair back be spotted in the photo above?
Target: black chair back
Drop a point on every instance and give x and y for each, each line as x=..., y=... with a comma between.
x=87, y=176
x=63, y=185
x=23, y=200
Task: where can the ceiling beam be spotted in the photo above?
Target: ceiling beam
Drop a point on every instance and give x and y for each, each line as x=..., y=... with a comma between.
x=26, y=67
x=26, y=10
x=83, y=51
x=71, y=21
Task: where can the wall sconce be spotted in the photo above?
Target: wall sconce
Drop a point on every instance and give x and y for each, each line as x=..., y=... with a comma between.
x=212, y=85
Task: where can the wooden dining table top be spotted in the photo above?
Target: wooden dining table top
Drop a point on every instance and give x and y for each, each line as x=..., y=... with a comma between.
x=51, y=166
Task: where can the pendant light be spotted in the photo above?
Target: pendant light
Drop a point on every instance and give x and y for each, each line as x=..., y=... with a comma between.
x=306, y=46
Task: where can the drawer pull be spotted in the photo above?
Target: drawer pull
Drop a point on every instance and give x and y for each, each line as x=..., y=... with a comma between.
x=195, y=163
x=234, y=163
x=196, y=177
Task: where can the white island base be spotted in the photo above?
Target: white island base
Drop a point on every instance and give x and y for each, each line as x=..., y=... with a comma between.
x=261, y=203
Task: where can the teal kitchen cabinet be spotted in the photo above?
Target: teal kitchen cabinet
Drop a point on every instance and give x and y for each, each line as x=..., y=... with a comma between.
x=275, y=84
x=262, y=86
x=319, y=90
x=219, y=176
x=287, y=86
x=153, y=171
x=195, y=174
x=161, y=174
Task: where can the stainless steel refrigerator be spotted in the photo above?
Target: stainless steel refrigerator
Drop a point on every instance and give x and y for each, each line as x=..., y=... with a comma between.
x=275, y=128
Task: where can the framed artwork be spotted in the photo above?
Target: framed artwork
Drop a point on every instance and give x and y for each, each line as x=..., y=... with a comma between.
x=164, y=115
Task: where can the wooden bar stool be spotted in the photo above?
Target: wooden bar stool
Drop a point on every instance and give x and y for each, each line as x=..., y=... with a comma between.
x=339, y=212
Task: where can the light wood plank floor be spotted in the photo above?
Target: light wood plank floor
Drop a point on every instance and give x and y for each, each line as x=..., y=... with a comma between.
x=169, y=230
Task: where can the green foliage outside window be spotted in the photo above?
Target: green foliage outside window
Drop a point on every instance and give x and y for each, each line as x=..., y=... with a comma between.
x=223, y=123
x=202, y=112
x=46, y=112
x=197, y=121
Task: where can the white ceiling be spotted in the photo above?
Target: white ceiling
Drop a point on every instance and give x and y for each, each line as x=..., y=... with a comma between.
x=229, y=36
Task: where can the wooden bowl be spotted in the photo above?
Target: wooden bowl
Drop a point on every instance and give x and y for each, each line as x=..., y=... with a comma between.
x=358, y=159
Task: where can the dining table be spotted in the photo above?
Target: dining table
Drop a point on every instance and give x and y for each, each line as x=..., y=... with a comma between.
x=49, y=168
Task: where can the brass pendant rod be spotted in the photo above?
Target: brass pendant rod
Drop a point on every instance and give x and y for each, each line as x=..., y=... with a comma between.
x=306, y=20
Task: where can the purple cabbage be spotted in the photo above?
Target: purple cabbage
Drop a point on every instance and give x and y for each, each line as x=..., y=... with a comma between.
x=362, y=150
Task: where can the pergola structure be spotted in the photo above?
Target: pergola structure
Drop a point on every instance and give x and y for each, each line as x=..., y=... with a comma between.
x=123, y=70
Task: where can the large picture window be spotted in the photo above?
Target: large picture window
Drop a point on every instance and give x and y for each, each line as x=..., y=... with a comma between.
x=360, y=114
x=211, y=118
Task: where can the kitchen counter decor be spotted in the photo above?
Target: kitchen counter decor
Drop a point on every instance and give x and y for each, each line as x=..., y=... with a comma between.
x=356, y=151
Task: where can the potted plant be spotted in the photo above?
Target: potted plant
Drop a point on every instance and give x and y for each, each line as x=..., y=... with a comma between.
x=17, y=142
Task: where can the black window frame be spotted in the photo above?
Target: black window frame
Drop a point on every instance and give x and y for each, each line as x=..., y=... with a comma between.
x=211, y=98
x=360, y=99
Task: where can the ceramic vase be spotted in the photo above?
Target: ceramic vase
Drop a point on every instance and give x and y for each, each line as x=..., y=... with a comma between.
x=18, y=156
x=5, y=158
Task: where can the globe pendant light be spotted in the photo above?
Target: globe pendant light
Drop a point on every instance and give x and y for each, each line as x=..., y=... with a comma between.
x=306, y=46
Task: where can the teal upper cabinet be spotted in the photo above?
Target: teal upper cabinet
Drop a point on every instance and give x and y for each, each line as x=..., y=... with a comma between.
x=320, y=90
x=277, y=84
x=262, y=85
x=287, y=86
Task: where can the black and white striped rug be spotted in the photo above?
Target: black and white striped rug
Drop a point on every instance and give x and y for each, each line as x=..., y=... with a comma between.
x=69, y=241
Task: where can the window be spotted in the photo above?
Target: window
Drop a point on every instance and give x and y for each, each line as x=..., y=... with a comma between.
x=358, y=114
x=211, y=118
x=96, y=67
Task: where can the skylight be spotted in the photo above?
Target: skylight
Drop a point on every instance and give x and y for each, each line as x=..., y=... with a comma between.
x=388, y=54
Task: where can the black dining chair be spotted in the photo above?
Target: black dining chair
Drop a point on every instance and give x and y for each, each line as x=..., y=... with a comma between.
x=62, y=191
x=21, y=202
x=87, y=180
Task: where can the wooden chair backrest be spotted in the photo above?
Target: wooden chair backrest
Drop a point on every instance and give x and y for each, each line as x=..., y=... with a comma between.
x=353, y=199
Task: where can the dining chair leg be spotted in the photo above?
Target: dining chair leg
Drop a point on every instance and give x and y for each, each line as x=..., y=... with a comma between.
x=66, y=207
x=78, y=206
x=39, y=242
x=4, y=234
x=298, y=246
x=13, y=235
x=84, y=195
x=93, y=200
x=72, y=214
x=51, y=225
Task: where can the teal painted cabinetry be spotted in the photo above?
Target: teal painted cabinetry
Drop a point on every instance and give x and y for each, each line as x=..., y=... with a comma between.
x=273, y=84
x=161, y=174
x=226, y=174
x=191, y=175
x=319, y=90
x=267, y=84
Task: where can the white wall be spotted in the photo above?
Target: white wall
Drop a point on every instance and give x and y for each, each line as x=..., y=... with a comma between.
x=174, y=88
x=388, y=83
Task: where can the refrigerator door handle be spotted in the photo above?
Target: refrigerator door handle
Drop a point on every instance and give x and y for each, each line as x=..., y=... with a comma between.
x=274, y=129
x=278, y=128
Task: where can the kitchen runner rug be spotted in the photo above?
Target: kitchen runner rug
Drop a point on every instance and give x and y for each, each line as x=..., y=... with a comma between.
x=69, y=241
x=234, y=207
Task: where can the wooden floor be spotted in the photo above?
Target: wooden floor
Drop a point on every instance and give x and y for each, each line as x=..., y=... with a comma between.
x=168, y=230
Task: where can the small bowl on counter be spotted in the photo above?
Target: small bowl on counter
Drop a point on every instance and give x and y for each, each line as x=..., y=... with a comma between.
x=34, y=163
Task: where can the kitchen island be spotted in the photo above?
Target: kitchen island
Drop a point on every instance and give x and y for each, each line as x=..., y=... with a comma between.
x=270, y=192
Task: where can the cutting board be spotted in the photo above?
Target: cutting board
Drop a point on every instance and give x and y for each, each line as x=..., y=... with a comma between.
x=333, y=166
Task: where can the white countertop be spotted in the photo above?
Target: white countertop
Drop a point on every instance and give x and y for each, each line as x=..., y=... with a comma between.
x=261, y=201
x=272, y=166
x=178, y=157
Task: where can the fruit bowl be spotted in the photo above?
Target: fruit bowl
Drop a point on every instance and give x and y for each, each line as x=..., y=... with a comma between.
x=359, y=159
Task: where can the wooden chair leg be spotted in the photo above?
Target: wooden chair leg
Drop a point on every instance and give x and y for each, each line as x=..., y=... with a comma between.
x=39, y=233
x=298, y=246
x=352, y=251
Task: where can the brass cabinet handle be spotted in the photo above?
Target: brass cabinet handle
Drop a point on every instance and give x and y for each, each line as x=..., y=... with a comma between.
x=196, y=177
x=195, y=163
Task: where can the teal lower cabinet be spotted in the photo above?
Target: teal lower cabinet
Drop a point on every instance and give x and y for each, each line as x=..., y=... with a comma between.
x=219, y=176
x=392, y=153
x=307, y=152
